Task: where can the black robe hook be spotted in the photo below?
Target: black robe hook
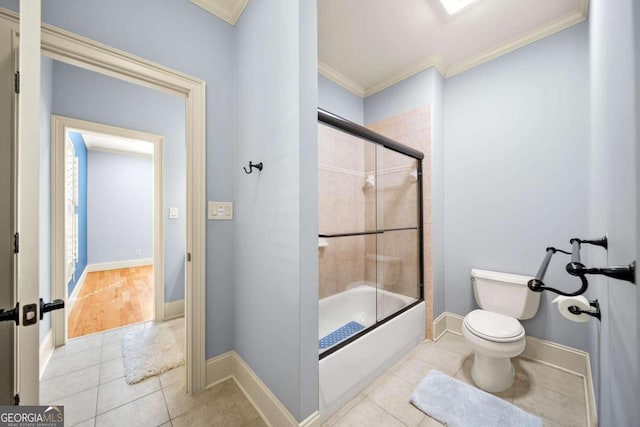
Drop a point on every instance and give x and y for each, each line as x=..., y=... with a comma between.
x=251, y=166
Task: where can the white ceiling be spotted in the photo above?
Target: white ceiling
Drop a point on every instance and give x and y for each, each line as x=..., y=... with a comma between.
x=110, y=143
x=367, y=45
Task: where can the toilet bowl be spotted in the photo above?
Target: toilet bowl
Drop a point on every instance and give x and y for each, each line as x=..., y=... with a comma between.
x=493, y=332
x=494, y=339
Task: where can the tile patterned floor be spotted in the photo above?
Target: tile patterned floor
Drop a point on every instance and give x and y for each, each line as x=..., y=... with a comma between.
x=556, y=396
x=87, y=377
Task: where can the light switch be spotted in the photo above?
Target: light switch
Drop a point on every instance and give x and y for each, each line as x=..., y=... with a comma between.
x=173, y=213
x=220, y=210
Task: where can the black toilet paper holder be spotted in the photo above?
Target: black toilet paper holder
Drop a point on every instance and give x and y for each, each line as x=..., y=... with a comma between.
x=574, y=309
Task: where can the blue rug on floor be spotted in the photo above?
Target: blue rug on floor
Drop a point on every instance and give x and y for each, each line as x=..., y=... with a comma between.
x=340, y=334
x=456, y=404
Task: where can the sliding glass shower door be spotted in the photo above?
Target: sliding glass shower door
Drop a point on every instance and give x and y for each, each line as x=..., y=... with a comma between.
x=370, y=235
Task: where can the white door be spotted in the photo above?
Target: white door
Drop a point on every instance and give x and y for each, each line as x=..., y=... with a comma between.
x=25, y=213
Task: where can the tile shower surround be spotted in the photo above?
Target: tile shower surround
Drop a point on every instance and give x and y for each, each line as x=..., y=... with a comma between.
x=348, y=204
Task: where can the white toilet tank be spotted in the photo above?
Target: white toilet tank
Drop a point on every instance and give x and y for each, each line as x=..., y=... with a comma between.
x=505, y=293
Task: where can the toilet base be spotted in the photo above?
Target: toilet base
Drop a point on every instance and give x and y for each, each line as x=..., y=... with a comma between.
x=492, y=374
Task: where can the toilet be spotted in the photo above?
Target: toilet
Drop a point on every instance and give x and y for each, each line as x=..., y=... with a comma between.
x=493, y=332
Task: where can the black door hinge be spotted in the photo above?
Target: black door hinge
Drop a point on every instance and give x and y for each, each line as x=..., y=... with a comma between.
x=16, y=243
x=16, y=82
x=16, y=400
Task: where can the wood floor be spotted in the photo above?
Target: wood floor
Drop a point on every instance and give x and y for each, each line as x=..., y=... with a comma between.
x=113, y=298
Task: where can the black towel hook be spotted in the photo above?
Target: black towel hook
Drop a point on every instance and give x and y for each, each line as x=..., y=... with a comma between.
x=251, y=166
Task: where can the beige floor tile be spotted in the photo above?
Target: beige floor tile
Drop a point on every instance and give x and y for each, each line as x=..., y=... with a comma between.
x=394, y=395
x=562, y=382
x=454, y=342
x=118, y=392
x=422, y=350
x=246, y=408
x=214, y=412
x=443, y=359
x=72, y=362
x=412, y=369
x=430, y=422
x=87, y=423
x=115, y=335
x=149, y=410
x=167, y=424
x=172, y=376
x=77, y=345
x=553, y=406
x=178, y=402
x=111, y=370
x=111, y=351
x=74, y=382
x=78, y=407
x=367, y=414
x=258, y=422
x=342, y=411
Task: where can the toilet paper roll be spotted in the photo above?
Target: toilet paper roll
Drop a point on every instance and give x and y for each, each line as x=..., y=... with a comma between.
x=581, y=302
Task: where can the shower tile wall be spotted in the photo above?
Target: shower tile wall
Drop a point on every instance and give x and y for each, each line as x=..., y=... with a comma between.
x=341, y=177
x=396, y=207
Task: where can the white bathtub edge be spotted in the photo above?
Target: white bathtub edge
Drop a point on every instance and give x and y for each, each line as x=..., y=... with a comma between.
x=348, y=371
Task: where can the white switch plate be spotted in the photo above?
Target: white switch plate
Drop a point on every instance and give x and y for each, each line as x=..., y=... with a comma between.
x=220, y=210
x=173, y=213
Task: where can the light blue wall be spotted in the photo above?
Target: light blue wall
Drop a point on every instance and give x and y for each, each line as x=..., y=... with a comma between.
x=275, y=253
x=421, y=89
x=613, y=197
x=90, y=96
x=120, y=207
x=339, y=101
x=516, y=160
x=80, y=149
x=188, y=39
x=46, y=94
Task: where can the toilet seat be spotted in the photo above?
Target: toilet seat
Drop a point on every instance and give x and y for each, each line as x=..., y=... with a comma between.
x=493, y=327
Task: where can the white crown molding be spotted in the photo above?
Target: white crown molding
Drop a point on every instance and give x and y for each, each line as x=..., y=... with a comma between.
x=406, y=72
x=340, y=79
x=450, y=70
x=518, y=42
x=227, y=11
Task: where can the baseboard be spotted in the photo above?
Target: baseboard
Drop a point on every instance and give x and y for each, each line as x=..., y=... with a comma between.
x=439, y=326
x=173, y=309
x=272, y=411
x=76, y=291
x=116, y=265
x=46, y=351
x=557, y=355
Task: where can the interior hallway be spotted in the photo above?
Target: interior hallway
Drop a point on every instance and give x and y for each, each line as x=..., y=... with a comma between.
x=111, y=299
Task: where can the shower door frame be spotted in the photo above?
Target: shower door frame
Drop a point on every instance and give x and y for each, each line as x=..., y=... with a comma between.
x=344, y=125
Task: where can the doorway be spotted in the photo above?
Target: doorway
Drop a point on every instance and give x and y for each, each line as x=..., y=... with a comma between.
x=110, y=263
x=73, y=49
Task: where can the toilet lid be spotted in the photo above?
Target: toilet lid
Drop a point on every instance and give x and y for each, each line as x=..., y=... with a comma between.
x=493, y=326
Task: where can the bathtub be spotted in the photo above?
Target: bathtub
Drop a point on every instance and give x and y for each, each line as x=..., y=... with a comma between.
x=347, y=371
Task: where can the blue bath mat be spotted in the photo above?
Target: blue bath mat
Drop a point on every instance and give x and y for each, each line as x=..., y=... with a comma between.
x=340, y=334
x=456, y=404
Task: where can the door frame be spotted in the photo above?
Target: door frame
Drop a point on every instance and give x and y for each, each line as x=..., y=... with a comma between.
x=85, y=53
x=59, y=127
